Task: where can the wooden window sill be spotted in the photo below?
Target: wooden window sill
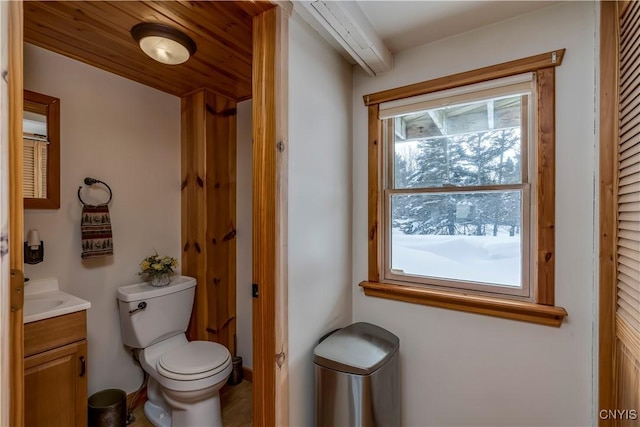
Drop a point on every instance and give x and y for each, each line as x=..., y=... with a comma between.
x=508, y=309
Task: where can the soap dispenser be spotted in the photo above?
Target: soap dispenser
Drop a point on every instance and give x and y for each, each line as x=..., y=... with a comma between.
x=33, y=248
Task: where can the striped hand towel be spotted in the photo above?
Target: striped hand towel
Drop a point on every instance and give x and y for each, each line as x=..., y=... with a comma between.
x=95, y=227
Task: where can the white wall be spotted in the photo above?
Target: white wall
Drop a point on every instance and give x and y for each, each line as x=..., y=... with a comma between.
x=319, y=205
x=127, y=135
x=465, y=369
x=244, y=224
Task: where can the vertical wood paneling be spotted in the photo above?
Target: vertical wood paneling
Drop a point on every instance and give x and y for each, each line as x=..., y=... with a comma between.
x=194, y=206
x=607, y=191
x=208, y=213
x=16, y=213
x=270, y=400
x=220, y=185
x=546, y=178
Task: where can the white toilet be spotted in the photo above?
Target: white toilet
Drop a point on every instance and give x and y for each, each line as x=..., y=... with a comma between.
x=184, y=377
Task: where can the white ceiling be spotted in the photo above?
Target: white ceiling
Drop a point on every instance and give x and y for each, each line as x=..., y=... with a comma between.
x=405, y=24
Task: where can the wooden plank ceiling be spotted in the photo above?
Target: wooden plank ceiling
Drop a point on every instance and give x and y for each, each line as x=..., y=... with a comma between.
x=97, y=33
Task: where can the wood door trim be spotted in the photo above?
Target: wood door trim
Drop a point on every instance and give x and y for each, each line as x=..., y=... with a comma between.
x=270, y=147
x=16, y=211
x=5, y=269
x=609, y=39
x=282, y=286
x=607, y=233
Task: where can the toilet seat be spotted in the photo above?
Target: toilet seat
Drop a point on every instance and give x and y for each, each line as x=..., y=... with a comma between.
x=193, y=361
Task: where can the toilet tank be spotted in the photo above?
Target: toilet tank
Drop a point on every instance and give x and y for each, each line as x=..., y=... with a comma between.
x=151, y=314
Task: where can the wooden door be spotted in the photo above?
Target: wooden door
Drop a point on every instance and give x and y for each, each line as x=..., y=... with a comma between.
x=57, y=381
x=627, y=318
x=619, y=334
x=11, y=216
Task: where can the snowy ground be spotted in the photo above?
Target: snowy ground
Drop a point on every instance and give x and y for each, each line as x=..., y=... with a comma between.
x=485, y=259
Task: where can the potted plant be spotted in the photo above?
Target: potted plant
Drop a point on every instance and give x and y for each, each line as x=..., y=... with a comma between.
x=158, y=269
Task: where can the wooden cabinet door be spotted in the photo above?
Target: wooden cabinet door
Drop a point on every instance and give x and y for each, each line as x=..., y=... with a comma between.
x=56, y=387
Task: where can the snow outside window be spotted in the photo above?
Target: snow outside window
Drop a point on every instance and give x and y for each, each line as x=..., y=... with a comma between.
x=457, y=196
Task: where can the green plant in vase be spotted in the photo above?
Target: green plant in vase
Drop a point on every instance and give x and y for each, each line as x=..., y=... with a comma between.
x=158, y=269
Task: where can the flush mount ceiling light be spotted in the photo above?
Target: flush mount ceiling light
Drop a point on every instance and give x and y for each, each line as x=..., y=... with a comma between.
x=163, y=43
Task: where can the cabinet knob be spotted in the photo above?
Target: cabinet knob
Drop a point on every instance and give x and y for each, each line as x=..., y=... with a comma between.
x=83, y=366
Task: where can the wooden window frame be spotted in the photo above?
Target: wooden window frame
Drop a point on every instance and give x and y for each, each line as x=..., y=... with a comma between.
x=48, y=106
x=541, y=309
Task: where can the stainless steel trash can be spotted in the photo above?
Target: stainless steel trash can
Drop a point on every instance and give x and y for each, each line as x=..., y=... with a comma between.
x=356, y=377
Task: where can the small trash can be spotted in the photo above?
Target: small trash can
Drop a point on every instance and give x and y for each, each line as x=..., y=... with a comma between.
x=236, y=373
x=108, y=408
x=356, y=378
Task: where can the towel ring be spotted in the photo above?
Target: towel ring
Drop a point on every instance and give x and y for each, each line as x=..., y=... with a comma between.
x=91, y=181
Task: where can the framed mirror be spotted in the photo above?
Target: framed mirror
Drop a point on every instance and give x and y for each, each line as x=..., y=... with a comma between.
x=41, y=158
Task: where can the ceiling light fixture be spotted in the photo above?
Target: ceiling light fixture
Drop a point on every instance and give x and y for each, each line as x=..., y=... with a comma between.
x=163, y=43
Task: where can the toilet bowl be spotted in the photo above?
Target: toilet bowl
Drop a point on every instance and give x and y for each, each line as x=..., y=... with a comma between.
x=184, y=377
x=190, y=376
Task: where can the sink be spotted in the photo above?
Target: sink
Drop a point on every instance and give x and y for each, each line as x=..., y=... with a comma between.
x=34, y=306
x=43, y=300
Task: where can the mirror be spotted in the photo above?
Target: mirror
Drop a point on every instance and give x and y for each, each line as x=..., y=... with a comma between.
x=41, y=152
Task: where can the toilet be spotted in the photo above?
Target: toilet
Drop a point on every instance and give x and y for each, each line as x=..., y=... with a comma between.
x=185, y=377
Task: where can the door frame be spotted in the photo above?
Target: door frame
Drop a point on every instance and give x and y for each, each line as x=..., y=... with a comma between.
x=5, y=349
x=270, y=153
x=12, y=356
x=270, y=65
x=607, y=210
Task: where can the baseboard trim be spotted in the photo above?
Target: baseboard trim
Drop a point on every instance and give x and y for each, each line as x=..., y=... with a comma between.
x=142, y=397
x=247, y=374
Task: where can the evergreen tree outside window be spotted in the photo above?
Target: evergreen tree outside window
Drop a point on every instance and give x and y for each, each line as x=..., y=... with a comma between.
x=466, y=158
x=457, y=198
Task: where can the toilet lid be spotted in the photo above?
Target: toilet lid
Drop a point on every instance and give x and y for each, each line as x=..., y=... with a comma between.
x=194, y=358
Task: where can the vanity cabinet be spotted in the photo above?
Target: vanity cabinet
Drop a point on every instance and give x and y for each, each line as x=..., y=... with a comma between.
x=55, y=371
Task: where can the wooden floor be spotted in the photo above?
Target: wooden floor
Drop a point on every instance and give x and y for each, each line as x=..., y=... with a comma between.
x=236, y=407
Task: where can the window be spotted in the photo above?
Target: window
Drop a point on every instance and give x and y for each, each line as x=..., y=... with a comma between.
x=456, y=197
x=461, y=191
x=34, y=184
x=35, y=155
